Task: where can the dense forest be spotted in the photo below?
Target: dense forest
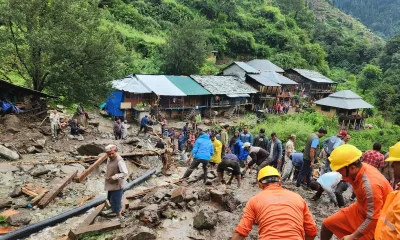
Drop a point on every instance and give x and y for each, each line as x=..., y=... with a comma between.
x=73, y=48
x=382, y=16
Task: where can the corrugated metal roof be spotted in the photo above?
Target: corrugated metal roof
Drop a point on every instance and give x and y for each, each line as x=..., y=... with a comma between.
x=344, y=99
x=223, y=84
x=130, y=84
x=278, y=78
x=10, y=86
x=189, y=86
x=238, y=95
x=313, y=75
x=160, y=85
x=263, y=80
x=264, y=65
x=247, y=68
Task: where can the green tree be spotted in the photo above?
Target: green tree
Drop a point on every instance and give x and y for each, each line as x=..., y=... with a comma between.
x=386, y=99
x=369, y=77
x=186, y=48
x=58, y=46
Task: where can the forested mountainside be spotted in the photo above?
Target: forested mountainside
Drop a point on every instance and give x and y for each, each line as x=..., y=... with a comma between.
x=53, y=45
x=382, y=16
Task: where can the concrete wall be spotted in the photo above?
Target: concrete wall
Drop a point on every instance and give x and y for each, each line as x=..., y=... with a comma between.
x=234, y=70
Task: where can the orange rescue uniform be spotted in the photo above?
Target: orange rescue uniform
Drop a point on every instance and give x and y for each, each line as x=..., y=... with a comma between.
x=280, y=214
x=388, y=226
x=371, y=189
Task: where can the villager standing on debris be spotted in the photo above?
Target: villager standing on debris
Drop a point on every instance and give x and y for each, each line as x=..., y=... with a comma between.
x=279, y=213
x=225, y=139
x=164, y=127
x=216, y=157
x=118, y=129
x=333, y=184
x=229, y=163
x=388, y=226
x=309, y=156
x=357, y=221
x=258, y=156
x=374, y=157
x=331, y=144
x=289, y=149
x=246, y=136
x=234, y=137
x=143, y=125
x=115, y=178
x=124, y=129
x=202, y=152
x=54, y=122
x=275, y=151
x=185, y=130
x=261, y=140
x=181, y=140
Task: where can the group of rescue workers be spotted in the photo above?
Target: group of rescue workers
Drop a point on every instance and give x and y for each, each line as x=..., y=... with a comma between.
x=282, y=214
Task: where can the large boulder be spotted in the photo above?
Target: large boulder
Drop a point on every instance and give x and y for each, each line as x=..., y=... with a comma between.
x=9, y=154
x=150, y=215
x=205, y=219
x=141, y=233
x=39, y=170
x=19, y=219
x=5, y=203
x=12, y=121
x=7, y=168
x=91, y=149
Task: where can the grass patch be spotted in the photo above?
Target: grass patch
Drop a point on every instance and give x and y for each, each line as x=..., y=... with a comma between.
x=3, y=221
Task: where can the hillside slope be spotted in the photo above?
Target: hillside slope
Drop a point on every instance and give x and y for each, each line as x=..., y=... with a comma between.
x=382, y=16
x=244, y=29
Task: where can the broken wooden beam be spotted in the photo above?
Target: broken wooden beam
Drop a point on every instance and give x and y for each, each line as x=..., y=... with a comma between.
x=56, y=190
x=91, y=168
x=37, y=199
x=142, y=154
x=140, y=165
x=85, y=199
x=32, y=190
x=105, y=226
x=90, y=219
x=144, y=192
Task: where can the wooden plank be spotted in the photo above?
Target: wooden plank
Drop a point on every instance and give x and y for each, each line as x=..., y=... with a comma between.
x=37, y=199
x=92, y=216
x=153, y=188
x=125, y=204
x=105, y=226
x=92, y=167
x=32, y=190
x=142, y=154
x=85, y=199
x=55, y=191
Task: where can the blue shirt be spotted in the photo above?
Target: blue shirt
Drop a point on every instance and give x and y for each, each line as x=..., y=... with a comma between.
x=315, y=143
x=297, y=159
x=246, y=137
x=331, y=143
x=203, y=148
x=231, y=156
x=143, y=122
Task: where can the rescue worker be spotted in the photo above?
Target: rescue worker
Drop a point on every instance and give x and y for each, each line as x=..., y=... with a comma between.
x=115, y=179
x=279, y=213
x=357, y=221
x=258, y=156
x=230, y=163
x=333, y=184
x=216, y=157
x=388, y=226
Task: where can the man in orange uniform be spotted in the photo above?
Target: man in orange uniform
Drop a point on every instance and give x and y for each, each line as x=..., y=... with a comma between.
x=280, y=213
x=388, y=226
x=357, y=221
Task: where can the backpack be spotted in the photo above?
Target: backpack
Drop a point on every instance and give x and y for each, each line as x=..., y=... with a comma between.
x=261, y=141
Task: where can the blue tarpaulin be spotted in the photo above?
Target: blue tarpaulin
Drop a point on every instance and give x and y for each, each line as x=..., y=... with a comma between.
x=113, y=104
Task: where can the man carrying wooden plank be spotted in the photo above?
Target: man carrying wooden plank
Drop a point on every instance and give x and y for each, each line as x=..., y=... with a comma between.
x=115, y=179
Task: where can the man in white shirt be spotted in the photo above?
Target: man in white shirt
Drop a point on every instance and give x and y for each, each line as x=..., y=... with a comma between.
x=54, y=122
x=334, y=186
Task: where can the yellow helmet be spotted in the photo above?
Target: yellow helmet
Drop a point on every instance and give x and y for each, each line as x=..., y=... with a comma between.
x=343, y=156
x=268, y=171
x=394, y=153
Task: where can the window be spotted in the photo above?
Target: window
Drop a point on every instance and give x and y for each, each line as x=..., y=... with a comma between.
x=325, y=108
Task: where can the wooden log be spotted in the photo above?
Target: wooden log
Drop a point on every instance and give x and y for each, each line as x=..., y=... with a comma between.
x=105, y=226
x=29, y=192
x=92, y=167
x=140, y=165
x=55, y=191
x=92, y=216
x=142, y=154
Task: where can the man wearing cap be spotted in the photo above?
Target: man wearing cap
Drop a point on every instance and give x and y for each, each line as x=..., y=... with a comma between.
x=258, y=156
x=115, y=179
x=388, y=226
x=225, y=139
x=374, y=157
x=357, y=221
x=279, y=213
x=330, y=144
x=229, y=162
